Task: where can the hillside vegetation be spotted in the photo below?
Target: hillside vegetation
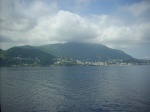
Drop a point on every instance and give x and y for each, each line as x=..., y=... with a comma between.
x=84, y=51
x=26, y=56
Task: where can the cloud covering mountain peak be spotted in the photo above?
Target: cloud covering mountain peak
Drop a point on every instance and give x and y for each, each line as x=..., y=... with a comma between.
x=41, y=22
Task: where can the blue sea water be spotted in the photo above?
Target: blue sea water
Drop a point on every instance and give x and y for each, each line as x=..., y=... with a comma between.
x=75, y=89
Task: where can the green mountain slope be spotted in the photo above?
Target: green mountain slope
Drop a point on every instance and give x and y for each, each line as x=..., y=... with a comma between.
x=1, y=53
x=84, y=51
x=26, y=55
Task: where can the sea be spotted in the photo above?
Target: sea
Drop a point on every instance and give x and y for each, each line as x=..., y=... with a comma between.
x=75, y=89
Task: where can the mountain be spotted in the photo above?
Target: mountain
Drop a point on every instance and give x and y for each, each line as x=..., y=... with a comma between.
x=66, y=55
x=1, y=53
x=84, y=52
x=1, y=50
x=26, y=55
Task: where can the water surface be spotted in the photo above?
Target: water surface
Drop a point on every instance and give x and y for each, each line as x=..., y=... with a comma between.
x=75, y=89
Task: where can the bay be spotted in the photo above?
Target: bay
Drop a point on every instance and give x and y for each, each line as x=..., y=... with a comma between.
x=75, y=89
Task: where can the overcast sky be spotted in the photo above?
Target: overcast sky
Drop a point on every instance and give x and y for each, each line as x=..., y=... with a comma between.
x=120, y=24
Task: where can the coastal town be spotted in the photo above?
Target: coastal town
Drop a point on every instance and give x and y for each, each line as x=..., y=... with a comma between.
x=119, y=62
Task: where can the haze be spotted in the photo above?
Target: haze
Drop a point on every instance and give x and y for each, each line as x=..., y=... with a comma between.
x=119, y=24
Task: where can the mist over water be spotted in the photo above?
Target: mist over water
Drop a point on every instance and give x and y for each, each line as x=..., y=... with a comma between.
x=75, y=89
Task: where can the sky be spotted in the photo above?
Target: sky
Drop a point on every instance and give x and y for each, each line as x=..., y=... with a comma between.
x=119, y=24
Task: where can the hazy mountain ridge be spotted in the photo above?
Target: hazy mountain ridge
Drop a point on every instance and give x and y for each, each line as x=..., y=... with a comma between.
x=26, y=55
x=84, y=51
x=1, y=53
x=66, y=54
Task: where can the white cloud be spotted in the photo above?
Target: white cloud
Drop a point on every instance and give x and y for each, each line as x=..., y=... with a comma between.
x=64, y=26
x=39, y=23
x=140, y=9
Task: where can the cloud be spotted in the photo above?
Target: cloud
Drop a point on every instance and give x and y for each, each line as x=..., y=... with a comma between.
x=64, y=26
x=140, y=9
x=42, y=22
